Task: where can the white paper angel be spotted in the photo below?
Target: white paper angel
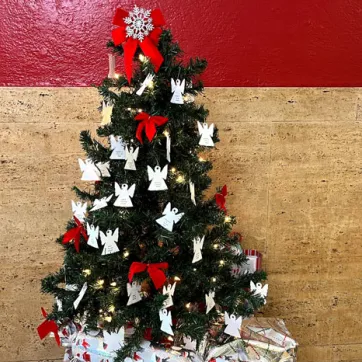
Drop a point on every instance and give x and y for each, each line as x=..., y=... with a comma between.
x=107, y=109
x=189, y=343
x=157, y=178
x=206, y=133
x=198, y=245
x=109, y=241
x=104, y=168
x=80, y=295
x=101, y=203
x=169, y=291
x=93, y=235
x=119, y=148
x=170, y=217
x=124, y=195
x=131, y=157
x=79, y=210
x=258, y=289
x=134, y=293
x=145, y=83
x=114, y=341
x=166, y=319
x=178, y=89
x=89, y=169
x=233, y=325
x=210, y=302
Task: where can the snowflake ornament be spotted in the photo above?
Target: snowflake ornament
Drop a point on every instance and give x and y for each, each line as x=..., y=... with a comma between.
x=139, y=23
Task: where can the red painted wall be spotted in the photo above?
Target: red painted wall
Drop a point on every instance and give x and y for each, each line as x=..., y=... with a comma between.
x=247, y=43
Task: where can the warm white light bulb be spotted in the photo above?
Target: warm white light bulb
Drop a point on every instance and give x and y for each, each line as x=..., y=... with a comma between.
x=113, y=284
x=216, y=246
x=227, y=218
x=87, y=272
x=188, y=305
x=126, y=253
x=222, y=262
x=177, y=279
x=180, y=179
x=213, y=279
x=173, y=170
x=111, y=309
x=108, y=319
x=142, y=58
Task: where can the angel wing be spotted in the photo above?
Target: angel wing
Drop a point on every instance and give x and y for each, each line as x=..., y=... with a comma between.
x=164, y=290
x=113, y=141
x=227, y=318
x=74, y=206
x=252, y=286
x=173, y=289
x=177, y=217
x=103, y=237
x=115, y=235
x=173, y=85
x=264, y=290
x=129, y=289
x=164, y=172
x=131, y=190
x=200, y=128
x=239, y=321
x=88, y=229
x=135, y=154
x=168, y=318
x=161, y=315
x=117, y=189
x=202, y=241
x=167, y=209
x=81, y=164
x=97, y=231
x=182, y=86
x=151, y=173
x=211, y=130
x=109, y=198
x=84, y=207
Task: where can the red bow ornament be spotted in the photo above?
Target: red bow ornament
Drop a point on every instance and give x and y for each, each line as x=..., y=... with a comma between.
x=154, y=271
x=138, y=27
x=74, y=234
x=220, y=198
x=48, y=326
x=148, y=123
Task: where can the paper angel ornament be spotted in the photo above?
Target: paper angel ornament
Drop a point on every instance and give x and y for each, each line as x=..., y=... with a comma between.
x=178, y=89
x=134, y=293
x=210, y=302
x=206, y=133
x=93, y=235
x=104, y=168
x=89, y=169
x=147, y=82
x=124, y=195
x=114, y=341
x=189, y=343
x=109, y=241
x=166, y=319
x=169, y=291
x=131, y=157
x=233, y=325
x=170, y=217
x=157, y=178
x=119, y=148
x=107, y=109
x=101, y=203
x=198, y=245
x=80, y=296
x=260, y=290
x=79, y=210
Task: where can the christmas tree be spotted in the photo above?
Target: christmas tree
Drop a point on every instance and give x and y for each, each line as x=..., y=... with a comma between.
x=144, y=248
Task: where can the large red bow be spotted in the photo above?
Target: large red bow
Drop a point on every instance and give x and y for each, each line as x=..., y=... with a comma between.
x=220, y=198
x=154, y=271
x=48, y=326
x=137, y=20
x=148, y=123
x=74, y=234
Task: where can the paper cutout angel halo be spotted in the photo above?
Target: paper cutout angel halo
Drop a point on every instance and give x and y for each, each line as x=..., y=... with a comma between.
x=178, y=89
x=170, y=217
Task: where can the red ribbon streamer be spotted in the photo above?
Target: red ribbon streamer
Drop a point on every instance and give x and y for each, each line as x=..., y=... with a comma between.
x=154, y=271
x=148, y=44
x=74, y=234
x=148, y=123
x=220, y=198
x=48, y=326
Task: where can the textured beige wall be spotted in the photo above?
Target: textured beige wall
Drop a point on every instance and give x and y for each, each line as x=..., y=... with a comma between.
x=292, y=159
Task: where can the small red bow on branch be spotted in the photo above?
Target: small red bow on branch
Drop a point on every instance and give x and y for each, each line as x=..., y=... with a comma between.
x=74, y=234
x=154, y=271
x=141, y=28
x=148, y=123
x=220, y=198
x=48, y=326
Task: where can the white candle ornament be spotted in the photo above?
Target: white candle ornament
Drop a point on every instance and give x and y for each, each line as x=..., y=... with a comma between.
x=112, y=66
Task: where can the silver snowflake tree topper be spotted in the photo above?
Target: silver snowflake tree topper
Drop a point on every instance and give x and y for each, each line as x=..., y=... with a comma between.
x=139, y=23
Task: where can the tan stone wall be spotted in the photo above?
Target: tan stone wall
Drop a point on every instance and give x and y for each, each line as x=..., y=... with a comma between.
x=292, y=159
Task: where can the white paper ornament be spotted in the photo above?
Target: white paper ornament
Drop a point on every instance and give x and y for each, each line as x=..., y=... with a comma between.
x=104, y=168
x=131, y=157
x=89, y=169
x=166, y=319
x=93, y=235
x=157, y=178
x=198, y=245
x=134, y=293
x=101, y=203
x=169, y=291
x=168, y=146
x=124, y=195
x=189, y=343
x=114, y=341
x=258, y=289
x=145, y=83
x=170, y=217
x=233, y=325
x=206, y=133
x=79, y=210
x=109, y=241
x=112, y=66
x=192, y=192
x=119, y=148
x=178, y=89
x=59, y=304
x=210, y=302
x=107, y=109
x=80, y=296
x=139, y=23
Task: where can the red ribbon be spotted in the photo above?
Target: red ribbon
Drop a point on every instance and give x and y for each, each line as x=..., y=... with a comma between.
x=74, y=234
x=148, y=123
x=48, y=326
x=154, y=271
x=148, y=44
x=220, y=198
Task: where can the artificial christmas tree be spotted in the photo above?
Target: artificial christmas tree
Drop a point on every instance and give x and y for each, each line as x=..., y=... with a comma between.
x=147, y=257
